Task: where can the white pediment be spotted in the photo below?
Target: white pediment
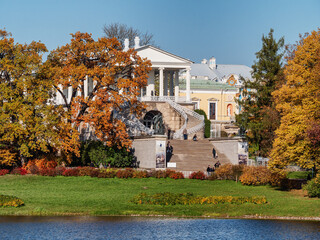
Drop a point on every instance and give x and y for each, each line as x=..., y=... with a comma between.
x=158, y=56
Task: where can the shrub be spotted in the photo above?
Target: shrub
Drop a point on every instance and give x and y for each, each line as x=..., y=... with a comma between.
x=277, y=177
x=157, y=174
x=71, y=172
x=212, y=176
x=255, y=176
x=140, y=174
x=60, y=170
x=34, y=166
x=313, y=187
x=207, y=122
x=19, y=171
x=10, y=201
x=33, y=169
x=95, y=172
x=85, y=171
x=176, y=175
x=107, y=173
x=198, y=175
x=51, y=172
x=168, y=198
x=97, y=153
x=4, y=172
x=125, y=173
x=225, y=172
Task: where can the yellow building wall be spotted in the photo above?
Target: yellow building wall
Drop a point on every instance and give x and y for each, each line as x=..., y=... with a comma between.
x=223, y=100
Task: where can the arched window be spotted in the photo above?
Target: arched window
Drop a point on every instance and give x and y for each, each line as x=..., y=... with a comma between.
x=229, y=110
x=148, y=118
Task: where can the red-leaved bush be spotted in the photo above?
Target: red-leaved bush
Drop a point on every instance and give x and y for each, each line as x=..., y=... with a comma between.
x=4, y=172
x=140, y=174
x=126, y=173
x=19, y=171
x=85, y=171
x=176, y=175
x=198, y=175
x=51, y=172
x=71, y=172
x=60, y=170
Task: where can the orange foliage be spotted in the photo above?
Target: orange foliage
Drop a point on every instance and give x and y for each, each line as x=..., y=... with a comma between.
x=117, y=79
x=40, y=164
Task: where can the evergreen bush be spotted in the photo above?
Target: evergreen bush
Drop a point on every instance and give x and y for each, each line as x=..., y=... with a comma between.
x=207, y=123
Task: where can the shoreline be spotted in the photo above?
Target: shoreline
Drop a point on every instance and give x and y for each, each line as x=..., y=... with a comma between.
x=248, y=217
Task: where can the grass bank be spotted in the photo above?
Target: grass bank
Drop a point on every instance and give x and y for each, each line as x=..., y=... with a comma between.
x=102, y=196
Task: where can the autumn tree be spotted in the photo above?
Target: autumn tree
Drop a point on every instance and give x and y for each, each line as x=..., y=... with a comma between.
x=258, y=115
x=298, y=101
x=96, y=81
x=27, y=120
x=123, y=31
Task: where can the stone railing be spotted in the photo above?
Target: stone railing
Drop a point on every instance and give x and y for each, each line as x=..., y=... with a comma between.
x=194, y=114
x=178, y=134
x=161, y=99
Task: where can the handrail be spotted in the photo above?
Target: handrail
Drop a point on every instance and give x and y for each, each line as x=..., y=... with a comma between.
x=180, y=110
x=162, y=98
x=193, y=113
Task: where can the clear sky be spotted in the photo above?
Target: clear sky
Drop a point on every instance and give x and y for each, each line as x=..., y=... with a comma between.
x=229, y=30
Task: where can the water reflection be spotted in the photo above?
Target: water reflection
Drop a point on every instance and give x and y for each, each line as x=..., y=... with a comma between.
x=153, y=228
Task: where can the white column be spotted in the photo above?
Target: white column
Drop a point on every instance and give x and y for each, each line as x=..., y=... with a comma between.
x=165, y=89
x=70, y=89
x=150, y=87
x=85, y=86
x=171, y=83
x=161, y=82
x=188, y=92
x=176, y=86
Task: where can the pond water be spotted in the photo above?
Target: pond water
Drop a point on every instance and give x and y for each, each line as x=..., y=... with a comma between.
x=153, y=228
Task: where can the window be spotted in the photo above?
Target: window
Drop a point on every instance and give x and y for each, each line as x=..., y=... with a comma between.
x=229, y=110
x=212, y=111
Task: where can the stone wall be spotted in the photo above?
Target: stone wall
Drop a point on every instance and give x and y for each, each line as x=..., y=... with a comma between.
x=145, y=151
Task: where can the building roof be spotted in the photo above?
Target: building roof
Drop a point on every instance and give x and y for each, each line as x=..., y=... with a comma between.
x=221, y=71
x=200, y=84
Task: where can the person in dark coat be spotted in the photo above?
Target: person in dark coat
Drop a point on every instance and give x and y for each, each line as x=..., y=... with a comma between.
x=169, y=151
x=217, y=164
x=214, y=153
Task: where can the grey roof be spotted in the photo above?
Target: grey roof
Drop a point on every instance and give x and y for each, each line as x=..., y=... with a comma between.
x=221, y=71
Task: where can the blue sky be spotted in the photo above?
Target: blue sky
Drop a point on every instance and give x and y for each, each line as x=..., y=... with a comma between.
x=229, y=30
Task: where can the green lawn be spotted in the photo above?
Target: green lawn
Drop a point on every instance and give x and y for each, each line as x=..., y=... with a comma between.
x=94, y=196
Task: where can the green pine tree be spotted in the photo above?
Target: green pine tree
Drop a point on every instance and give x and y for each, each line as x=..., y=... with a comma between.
x=258, y=115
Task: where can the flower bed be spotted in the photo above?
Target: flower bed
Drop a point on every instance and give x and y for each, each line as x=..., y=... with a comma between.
x=10, y=201
x=190, y=199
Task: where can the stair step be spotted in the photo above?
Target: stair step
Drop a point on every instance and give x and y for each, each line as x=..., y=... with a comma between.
x=194, y=155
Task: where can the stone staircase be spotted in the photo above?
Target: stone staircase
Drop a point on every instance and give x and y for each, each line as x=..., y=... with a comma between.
x=192, y=122
x=194, y=155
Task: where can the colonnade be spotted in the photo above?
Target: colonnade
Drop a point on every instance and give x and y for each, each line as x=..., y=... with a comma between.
x=168, y=77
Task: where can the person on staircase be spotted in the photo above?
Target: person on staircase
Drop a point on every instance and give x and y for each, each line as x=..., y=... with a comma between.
x=214, y=153
x=185, y=134
x=169, y=133
x=195, y=138
x=169, y=151
x=217, y=164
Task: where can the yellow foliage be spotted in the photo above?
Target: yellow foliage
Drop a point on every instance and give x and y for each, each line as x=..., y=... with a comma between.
x=298, y=102
x=7, y=158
